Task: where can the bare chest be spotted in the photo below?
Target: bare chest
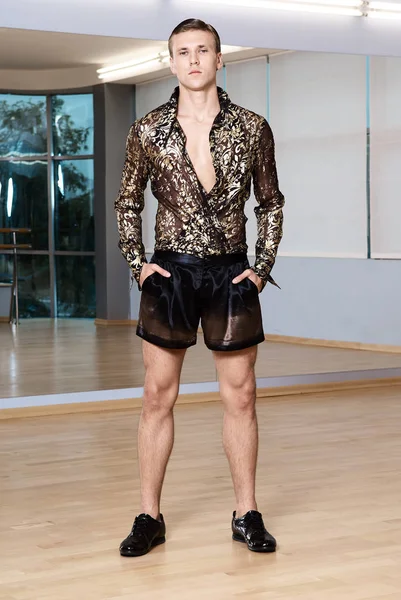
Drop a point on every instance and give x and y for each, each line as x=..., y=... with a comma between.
x=198, y=149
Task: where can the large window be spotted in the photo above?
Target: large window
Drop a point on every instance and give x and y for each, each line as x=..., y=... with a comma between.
x=46, y=184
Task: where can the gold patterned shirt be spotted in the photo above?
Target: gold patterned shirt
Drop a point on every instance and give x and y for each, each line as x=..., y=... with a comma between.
x=188, y=219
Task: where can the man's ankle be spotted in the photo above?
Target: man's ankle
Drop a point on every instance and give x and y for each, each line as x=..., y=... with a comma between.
x=244, y=508
x=154, y=513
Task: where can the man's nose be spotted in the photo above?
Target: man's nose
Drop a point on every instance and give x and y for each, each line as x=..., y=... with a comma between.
x=194, y=59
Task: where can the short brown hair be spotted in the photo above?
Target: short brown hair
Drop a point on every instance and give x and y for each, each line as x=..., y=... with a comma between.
x=191, y=25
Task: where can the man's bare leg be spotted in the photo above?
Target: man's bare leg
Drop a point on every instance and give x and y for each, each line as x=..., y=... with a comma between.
x=240, y=427
x=156, y=425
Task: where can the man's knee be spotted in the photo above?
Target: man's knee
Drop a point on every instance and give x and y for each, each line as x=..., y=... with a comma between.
x=159, y=394
x=239, y=395
x=162, y=378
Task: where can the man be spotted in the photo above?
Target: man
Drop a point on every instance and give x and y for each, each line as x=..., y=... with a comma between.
x=200, y=152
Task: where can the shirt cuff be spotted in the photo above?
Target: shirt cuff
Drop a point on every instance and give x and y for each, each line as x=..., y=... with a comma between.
x=264, y=274
x=136, y=274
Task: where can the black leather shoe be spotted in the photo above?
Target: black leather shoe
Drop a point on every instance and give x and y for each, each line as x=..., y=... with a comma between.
x=250, y=529
x=146, y=533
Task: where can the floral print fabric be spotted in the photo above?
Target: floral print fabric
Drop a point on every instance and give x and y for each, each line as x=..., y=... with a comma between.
x=188, y=219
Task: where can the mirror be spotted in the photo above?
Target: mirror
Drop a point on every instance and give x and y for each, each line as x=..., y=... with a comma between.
x=336, y=124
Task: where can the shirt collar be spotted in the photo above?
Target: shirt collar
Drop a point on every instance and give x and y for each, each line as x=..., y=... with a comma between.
x=171, y=107
x=223, y=99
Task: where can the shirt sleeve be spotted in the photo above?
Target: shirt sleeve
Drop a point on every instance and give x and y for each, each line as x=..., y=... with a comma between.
x=130, y=203
x=269, y=211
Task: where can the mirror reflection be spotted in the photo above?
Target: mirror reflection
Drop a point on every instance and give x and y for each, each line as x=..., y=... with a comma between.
x=63, y=128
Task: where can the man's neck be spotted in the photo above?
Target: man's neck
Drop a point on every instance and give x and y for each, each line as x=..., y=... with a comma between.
x=198, y=105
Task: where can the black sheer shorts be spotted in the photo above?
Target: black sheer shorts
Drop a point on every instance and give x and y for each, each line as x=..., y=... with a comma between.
x=200, y=290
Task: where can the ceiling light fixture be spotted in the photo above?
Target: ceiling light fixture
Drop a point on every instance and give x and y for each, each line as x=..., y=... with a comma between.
x=384, y=10
x=335, y=7
x=129, y=68
x=359, y=8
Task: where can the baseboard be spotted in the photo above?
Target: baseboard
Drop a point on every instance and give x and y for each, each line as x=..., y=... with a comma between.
x=136, y=403
x=4, y=319
x=288, y=339
x=330, y=386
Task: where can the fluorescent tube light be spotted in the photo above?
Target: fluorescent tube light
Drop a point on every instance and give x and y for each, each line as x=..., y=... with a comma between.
x=126, y=69
x=373, y=14
x=384, y=10
x=339, y=7
x=385, y=6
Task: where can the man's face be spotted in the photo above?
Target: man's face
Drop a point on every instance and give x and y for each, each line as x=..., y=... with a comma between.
x=194, y=59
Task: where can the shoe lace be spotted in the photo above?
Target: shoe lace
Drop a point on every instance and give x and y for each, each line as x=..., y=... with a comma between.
x=140, y=525
x=255, y=519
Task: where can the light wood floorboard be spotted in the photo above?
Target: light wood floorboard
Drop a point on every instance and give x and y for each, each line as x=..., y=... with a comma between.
x=329, y=486
x=68, y=356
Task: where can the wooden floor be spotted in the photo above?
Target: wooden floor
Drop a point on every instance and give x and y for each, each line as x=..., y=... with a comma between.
x=329, y=487
x=54, y=357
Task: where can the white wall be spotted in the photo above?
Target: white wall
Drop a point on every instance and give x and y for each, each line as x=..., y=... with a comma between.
x=385, y=134
x=349, y=300
x=317, y=112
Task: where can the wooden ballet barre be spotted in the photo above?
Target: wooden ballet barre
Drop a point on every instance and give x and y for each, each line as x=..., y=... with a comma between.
x=16, y=246
x=15, y=230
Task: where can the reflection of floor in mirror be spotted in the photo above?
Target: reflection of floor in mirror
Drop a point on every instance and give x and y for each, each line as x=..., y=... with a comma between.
x=55, y=357
x=328, y=487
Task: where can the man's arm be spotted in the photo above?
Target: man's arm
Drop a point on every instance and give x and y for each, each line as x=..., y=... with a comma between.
x=269, y=213
x=130, y=203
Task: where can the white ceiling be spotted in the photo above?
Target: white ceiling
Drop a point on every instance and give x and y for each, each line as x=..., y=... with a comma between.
x=24, y=52
x=24, y=49
x=239, y=25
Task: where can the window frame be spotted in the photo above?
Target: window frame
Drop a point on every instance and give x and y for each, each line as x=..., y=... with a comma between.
x=51, y=159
